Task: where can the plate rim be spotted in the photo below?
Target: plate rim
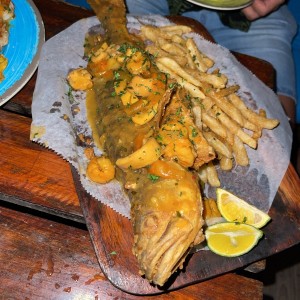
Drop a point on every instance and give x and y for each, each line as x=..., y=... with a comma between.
x=200, y=3
x=32, y=66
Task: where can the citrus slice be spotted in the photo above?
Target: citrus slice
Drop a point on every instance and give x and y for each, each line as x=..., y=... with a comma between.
x=234, y=209
x=232, y=239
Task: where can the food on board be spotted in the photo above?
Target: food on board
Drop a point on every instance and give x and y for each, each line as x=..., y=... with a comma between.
x=164, y=118
x=235, y=209
x=232, y=239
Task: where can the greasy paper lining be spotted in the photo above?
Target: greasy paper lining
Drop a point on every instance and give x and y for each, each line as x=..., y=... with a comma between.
x=59, y=118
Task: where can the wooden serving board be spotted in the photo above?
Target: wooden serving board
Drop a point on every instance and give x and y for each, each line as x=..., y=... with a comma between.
x=112, y=234
x=112, y=237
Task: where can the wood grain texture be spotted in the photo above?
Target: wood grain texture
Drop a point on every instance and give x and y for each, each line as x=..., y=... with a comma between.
x=26, y=241
x=41, y=259
x=290, y=188
x=30, y=174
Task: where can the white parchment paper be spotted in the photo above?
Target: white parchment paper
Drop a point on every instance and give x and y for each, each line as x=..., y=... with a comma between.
x=59, y=118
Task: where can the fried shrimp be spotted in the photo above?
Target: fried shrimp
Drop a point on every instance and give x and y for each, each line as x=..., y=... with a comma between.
x=80, y=79
x=100, y=170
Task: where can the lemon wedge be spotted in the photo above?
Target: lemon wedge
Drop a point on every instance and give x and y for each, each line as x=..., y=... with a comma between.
x=234, y=209
x=232, y=239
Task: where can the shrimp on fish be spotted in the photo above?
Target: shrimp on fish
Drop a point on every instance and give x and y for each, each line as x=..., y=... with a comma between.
x=100, y=170
x=80, y=79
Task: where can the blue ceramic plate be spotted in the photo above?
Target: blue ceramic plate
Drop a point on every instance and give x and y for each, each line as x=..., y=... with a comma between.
x=26, y=37
x=222, y=4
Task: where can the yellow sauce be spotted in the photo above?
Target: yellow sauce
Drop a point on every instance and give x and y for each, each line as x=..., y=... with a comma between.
x=110, y=115
x=91, y=107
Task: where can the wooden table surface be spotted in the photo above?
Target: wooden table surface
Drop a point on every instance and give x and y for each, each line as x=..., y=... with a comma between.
x=45, y=248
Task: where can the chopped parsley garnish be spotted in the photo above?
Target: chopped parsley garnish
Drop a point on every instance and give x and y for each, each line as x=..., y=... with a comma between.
x=116, y=75
x=159, y=138
x=153, y=177
x=194, y=132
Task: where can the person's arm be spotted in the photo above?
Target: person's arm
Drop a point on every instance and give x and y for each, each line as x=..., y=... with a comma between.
x=260, y=8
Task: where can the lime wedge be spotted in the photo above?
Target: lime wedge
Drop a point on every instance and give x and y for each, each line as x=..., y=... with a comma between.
x=232, y=239
x=234, y=209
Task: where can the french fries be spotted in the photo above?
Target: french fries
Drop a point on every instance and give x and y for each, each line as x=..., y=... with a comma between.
x=212, y=175
x=202, y=62
x=226, y=163
x=220, y=114
x=250, y=115
x=219, y=146
x=239, y=151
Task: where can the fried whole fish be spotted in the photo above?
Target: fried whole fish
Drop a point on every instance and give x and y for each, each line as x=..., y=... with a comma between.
x=136, y=129
x=112, y=15
x=167, y=221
